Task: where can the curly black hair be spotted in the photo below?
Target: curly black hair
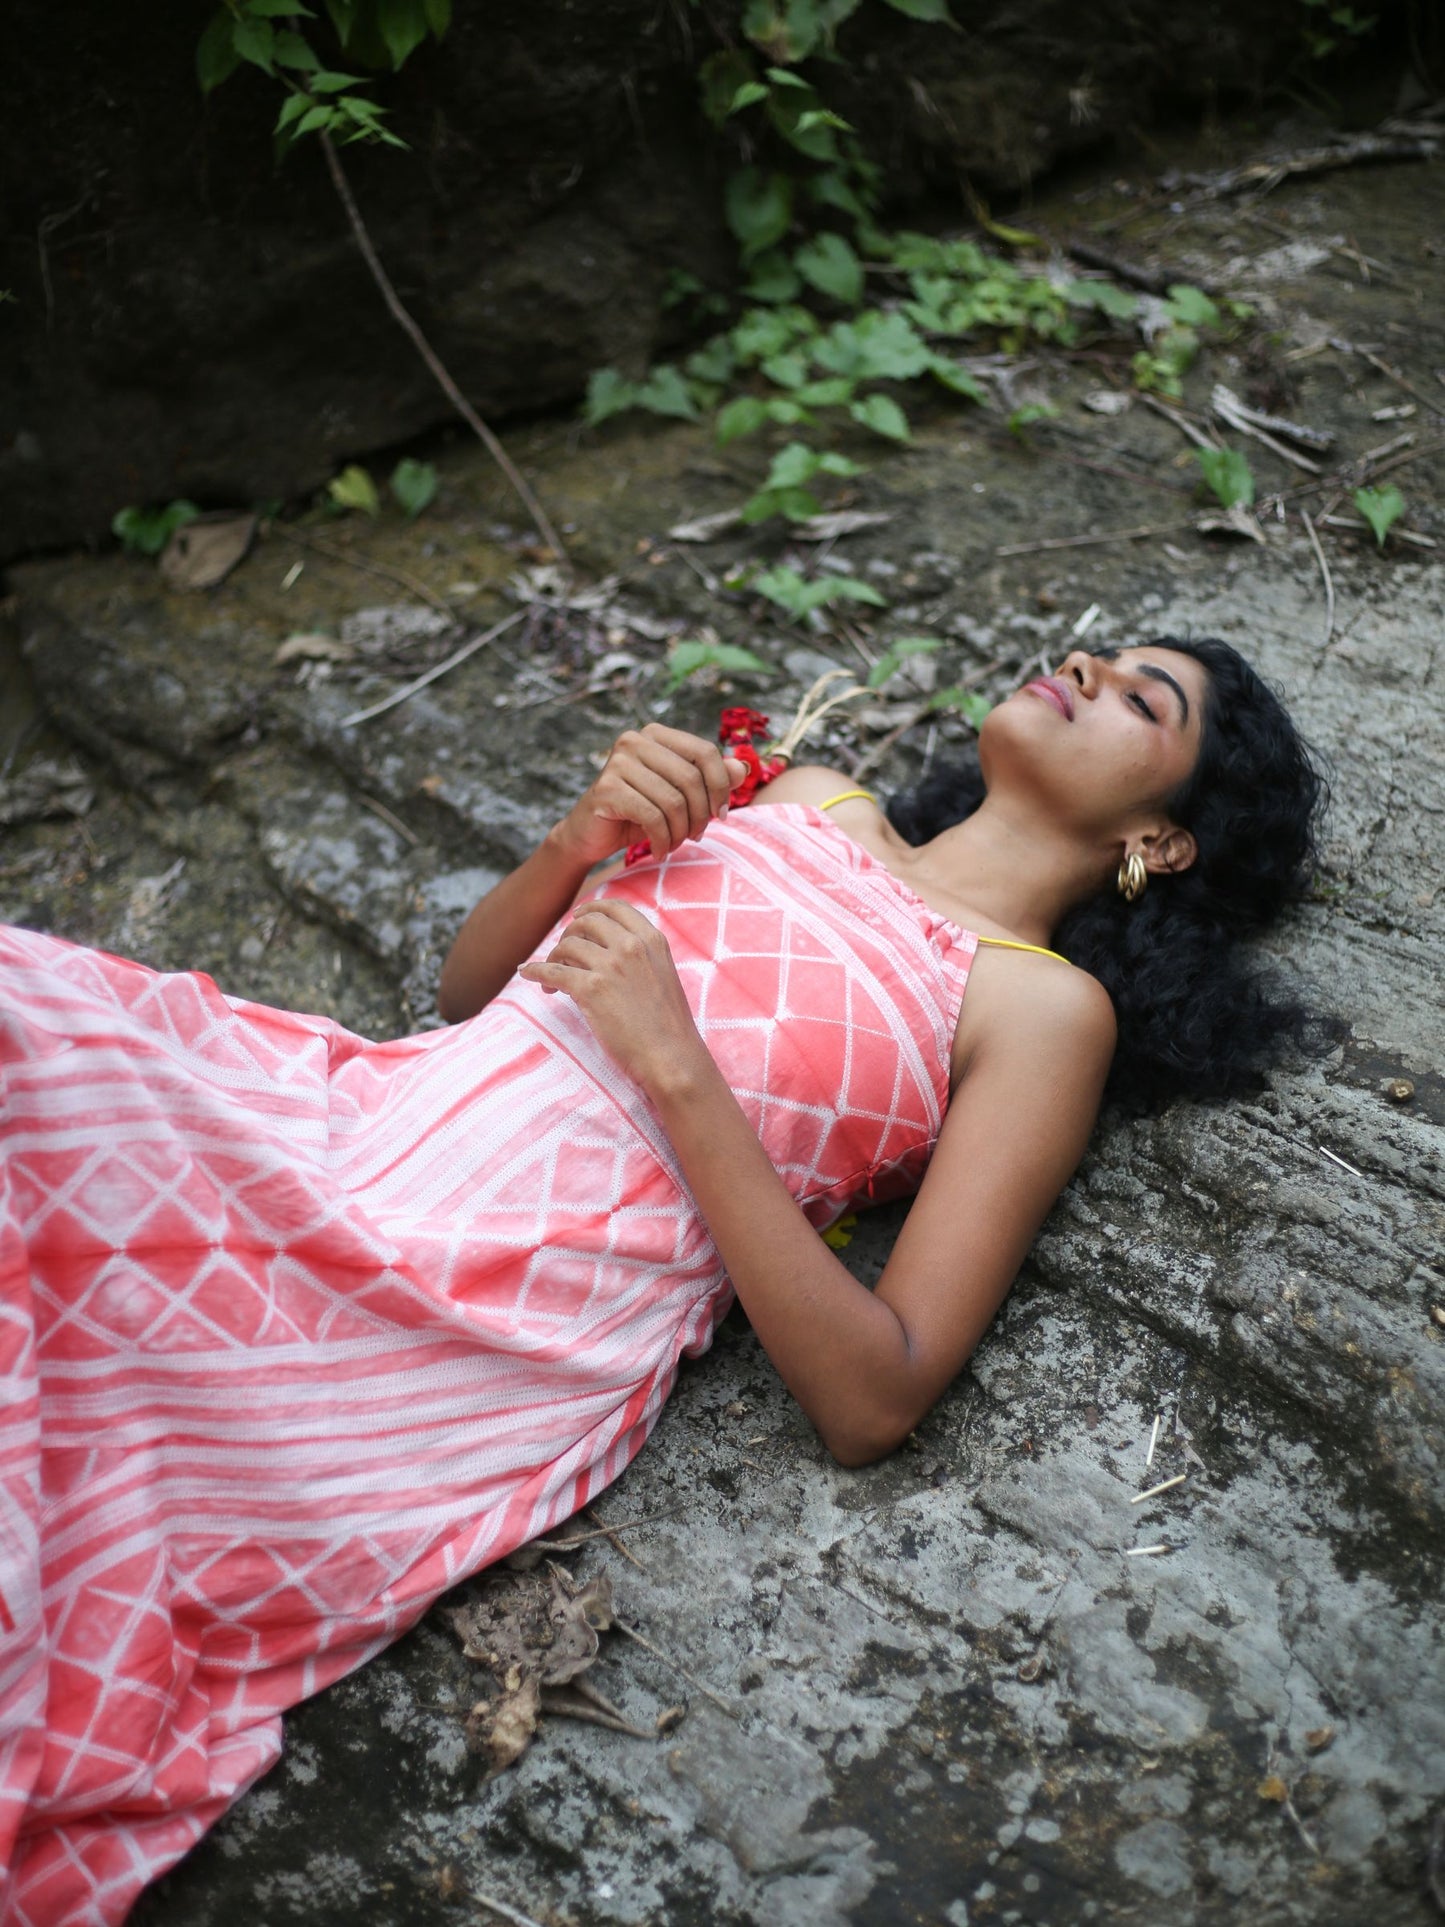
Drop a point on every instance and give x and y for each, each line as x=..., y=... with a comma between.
x=1197, y=1017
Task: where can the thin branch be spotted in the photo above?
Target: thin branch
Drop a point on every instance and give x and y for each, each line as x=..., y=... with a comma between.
x=1089, y=541
x=429, y=355
x=412, y=688
x=677, y=1666
x=1325, y=572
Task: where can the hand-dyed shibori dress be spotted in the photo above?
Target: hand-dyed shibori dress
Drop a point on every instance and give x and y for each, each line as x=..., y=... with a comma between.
x=299, y=1330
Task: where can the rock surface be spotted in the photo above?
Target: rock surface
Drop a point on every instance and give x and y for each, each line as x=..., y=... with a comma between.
x=955, y=1687
x=188, y=320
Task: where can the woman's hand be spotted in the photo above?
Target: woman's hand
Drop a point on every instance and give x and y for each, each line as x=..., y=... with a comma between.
x=659, y=786
x=618, y=970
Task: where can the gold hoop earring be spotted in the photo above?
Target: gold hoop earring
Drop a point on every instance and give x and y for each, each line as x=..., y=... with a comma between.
x=1133, y=877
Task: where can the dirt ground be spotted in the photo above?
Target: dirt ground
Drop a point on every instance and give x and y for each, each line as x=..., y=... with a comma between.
x=939, y=1690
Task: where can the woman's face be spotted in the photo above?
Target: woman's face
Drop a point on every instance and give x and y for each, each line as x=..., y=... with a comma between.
x=1104, y=741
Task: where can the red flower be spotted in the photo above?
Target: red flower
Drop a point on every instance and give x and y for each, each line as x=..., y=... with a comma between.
x=736, y=729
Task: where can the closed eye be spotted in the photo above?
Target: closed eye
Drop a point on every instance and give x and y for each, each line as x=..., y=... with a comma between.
x=1139, y=702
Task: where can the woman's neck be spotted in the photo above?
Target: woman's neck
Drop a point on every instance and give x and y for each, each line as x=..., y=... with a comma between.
x=1012, y=869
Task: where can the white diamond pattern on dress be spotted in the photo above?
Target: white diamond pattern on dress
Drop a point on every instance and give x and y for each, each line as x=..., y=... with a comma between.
x=298, y=1330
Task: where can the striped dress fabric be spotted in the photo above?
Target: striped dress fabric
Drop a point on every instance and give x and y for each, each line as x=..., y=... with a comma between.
x=299, y=1330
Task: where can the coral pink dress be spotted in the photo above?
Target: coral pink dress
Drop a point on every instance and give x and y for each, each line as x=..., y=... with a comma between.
x=297, y=1330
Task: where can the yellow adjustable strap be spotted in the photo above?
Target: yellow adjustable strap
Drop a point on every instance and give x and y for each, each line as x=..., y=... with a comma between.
x=845, y=796
x=1003, y=943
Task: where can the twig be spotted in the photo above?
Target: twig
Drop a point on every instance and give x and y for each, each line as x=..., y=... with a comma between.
x=382, y=569
x=602, y=1532
x=609, y=1533
x=1154, y=1490
x=594, y=1715
x=1153, y=1440
x=676, y=1665
x=429, y=355
x=1394, y=375
x=1244, y=421
x=1088, y=541
x=1325, y=572
x=1150, y=280
x=1403, y=145
x=1181, y=421
x=1334, y=1159
x=404, y=831
x=1145, y=1552
x=441, y=668
x=501, y=1908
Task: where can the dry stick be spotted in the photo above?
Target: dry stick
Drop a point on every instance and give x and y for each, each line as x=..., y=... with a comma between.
x=382, y=569
x=872, y=757
x=676, y=1665
x=1181, y=421
x=1393, y=374
x=429, y=355
x=602, y=1532
x=1088, y=541
x=407, y=834
x=411, y=689
x=609, y=1533
x=1325, y=572
x=594, y=1716
x=501, y=1908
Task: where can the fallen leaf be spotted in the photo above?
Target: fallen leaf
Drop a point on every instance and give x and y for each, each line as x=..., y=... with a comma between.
x=308, y=647
x=1231, y=521
x=503, y=1728
x=670, y=1717
x=1108, y=401
x=707, y=528
x=1273, y=1788
x=202, y=553
x=576, y=1620
x=828, y=528
x=1318, y=1738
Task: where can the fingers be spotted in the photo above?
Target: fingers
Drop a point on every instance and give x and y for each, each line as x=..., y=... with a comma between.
x=668, y=782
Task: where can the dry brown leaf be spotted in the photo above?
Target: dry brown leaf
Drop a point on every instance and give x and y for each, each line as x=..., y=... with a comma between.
x=202, y=553
x=1273, y=1788
x=576, y=1619
x=309, y=647
x=1318, y=1738
x=503, y=1728
x=1235, y=520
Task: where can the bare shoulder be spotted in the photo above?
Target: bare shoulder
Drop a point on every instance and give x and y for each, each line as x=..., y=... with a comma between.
x=813, y=783
x=1024, y=1011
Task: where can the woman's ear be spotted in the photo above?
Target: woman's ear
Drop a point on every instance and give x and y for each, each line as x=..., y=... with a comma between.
x=1170, y=851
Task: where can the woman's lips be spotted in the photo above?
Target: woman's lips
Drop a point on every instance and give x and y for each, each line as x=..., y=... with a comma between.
x=1053, y=690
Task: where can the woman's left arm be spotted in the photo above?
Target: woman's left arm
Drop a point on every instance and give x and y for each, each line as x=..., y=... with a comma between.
x=864, y=1365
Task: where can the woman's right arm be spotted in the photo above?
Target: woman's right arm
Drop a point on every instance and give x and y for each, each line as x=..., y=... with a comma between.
x=659, y=786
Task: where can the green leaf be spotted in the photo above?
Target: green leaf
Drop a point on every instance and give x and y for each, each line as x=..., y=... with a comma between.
x=790, y=414
x=830, y=463
x=833, y=189
x=883, y=416
x=1105, y=296
x=665, y=392
x=1024, y=417
x=787, y=370
x=798, y=597
x=744, y=416
x=836, y=391
x=1381, y=508
x=1192, y=307
x=292, y=51
x=828, y=264
x=786, y=29
x=713, y=362
x=769, y=331
x=748, y=95
x=608, y=394
x=719, y=78
x=353, y=488
x=780, y=77
x=957, y=379
x=773, y=278
x=403, y=27
x=146, y=531
x=326, y=82
x=255, y=41
x=936, y=10
x=686, y=657
x=414, y=485
x=216, y=56
x=962, y=702
x=438, y=15
x=894, y=657
x=292, y=108
x=318, y=117
x=276, y=9
x=1228, y=474
x=877, y=346
x=796, y=504
x=793, y=465
x=759, y=208
x=343, y=18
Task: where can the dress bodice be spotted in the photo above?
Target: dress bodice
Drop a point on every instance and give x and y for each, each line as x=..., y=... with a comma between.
x=825, y=989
